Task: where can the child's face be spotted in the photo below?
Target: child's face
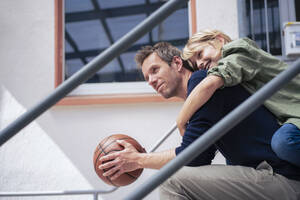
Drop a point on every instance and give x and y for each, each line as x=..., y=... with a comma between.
x=207, y=57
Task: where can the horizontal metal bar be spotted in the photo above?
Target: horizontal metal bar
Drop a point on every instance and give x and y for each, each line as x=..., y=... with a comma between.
x=133, y=48
x=82, y=192
x=91, y=68
x=111, y=12
x=162, y=139
x=216, y=132
x=56, y=193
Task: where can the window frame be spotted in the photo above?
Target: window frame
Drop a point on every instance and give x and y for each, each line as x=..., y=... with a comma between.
x=75, y=97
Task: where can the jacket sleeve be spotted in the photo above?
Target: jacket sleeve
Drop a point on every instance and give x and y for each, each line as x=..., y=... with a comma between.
x=239, y=63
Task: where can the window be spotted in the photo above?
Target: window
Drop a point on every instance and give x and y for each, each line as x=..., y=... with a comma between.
x=253, y=24
x=92, y=26
x=267, y=33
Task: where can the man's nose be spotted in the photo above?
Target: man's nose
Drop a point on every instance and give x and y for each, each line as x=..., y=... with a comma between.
x=151, y=80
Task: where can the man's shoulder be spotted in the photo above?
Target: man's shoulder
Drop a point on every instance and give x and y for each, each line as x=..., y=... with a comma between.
x=195, y=79
x=198, y=76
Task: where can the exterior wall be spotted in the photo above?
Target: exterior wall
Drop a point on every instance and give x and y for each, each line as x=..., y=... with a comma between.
x=55, y=151
x=217, y=14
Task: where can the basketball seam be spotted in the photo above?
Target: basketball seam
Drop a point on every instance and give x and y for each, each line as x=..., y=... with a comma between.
x=103, y=151
x=103, y=148
x=131, y=176
x=102, y=142
x=107, y=178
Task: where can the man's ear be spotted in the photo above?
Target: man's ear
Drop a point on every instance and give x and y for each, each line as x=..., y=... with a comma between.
x=178, y=63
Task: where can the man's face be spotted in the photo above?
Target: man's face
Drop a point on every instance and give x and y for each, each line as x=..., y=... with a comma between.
x=162, y=77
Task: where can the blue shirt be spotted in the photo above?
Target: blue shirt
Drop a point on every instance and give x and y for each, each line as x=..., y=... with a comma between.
x=247, y=144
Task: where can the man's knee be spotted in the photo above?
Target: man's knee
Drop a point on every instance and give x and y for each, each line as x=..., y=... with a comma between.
x=195, y=182
x=185, y=184
x=175, y=182
x=171, y=188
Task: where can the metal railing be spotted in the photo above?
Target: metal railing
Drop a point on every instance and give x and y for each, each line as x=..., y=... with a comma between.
x=95, y=193
x=197, y=147
x=81, y=76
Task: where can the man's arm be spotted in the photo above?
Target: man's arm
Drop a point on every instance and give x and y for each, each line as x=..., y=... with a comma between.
x=129, y=159
x=198, y=97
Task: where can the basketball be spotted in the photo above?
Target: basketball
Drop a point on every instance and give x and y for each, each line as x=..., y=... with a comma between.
x=109, y=145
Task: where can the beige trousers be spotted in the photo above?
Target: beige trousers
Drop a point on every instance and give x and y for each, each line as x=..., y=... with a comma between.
x=223, y=182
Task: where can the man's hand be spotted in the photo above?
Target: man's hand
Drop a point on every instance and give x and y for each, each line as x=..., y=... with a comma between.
x=122, y=161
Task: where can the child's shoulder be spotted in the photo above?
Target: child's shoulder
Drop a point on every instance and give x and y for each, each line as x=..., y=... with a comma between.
x=239, y=45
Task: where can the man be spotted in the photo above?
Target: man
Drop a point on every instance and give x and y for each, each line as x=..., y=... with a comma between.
x=253, y=170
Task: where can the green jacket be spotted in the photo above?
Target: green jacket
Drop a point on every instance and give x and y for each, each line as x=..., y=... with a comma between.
x=243, y=62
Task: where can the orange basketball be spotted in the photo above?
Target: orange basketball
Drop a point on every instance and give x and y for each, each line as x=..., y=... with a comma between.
x=109, y=145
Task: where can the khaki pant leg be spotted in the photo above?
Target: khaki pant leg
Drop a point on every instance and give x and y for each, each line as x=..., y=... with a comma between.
x=221, y=182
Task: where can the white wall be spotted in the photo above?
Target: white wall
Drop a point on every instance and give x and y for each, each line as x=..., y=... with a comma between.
x=55, y=151
x=218, y=14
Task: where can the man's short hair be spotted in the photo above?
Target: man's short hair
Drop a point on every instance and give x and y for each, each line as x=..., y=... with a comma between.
x=164, y=50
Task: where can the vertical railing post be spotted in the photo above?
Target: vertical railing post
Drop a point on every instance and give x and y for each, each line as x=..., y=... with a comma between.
x=95, y=196
x=252, y=20
x=267, y=25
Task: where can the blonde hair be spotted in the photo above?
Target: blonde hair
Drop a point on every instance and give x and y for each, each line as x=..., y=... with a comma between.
x=203, y=38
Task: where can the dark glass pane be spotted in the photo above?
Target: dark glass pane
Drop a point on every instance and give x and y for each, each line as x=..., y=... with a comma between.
x=259, y=24
x=297, y=10
x=92, y=26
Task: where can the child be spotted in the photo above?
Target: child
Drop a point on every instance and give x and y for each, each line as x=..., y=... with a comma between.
x=229, y=63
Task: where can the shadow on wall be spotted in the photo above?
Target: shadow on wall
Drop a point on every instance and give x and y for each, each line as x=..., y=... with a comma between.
x=62, y=135
x=28, y=77
x=77, y=130
x=81, y=128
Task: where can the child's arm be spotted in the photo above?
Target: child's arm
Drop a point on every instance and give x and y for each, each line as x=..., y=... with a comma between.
x=198, y=97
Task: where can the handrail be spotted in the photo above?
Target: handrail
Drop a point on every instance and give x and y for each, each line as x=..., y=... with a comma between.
x=197, y=147
x=163, y=138
x=216, y=132
x=95, y=193
x=91, y=68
